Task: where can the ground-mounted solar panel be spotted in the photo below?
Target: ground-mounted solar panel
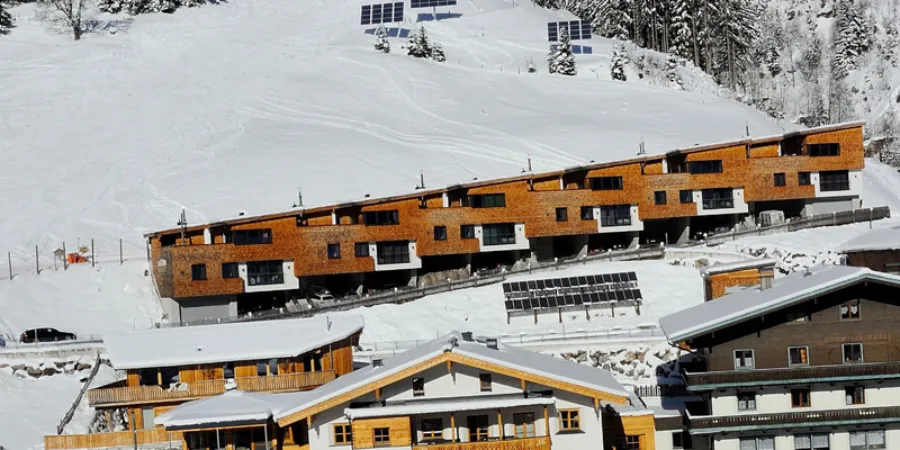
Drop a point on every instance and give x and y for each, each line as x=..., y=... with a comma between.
x=545, y=302
x=507, y=288
x=637, y=294
x=532, y=285
x=565, y=282
x=366, y=15
x=582, y=281
x=578, y=29
x=620, y=296
x=578, y=300
x=431, y=3
x=629, y=294
x=616, y=278
x=509, y=305
x=607, y=278
x=551, y=301
x=540, y=284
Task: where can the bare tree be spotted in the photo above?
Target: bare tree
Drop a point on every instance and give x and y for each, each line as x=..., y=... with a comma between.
x=67, y=13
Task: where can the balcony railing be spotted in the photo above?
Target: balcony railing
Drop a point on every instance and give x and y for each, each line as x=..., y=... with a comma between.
x=198, y=389
x=538, y=443
x=803, y=419
x=834, y=185
x=718, y=203
x=286, y=382
x=115, y=439
x=798, y=375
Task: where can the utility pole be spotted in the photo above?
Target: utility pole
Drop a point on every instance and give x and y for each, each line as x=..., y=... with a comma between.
x=182, y=222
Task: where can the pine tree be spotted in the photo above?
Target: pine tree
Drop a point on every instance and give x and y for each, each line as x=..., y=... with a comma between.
x=612, y=18
x=682, y=35
x=672, y=76
x=437, y=53
x=110, y=6
x=191, y=3
x=619, y=60
x=851, y=34
x=134, y=7
x=561, y=60
x=5, y=20
x=418, y=45
x=381, y=40
x=166, y=6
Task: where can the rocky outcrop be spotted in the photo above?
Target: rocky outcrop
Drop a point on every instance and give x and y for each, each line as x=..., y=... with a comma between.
x=637, y=362
x=34, y=369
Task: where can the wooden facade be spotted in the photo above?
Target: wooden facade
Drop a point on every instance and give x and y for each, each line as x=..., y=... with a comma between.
x=399, y=432
x=716, y=285
x=880, y=260
x=533, y=200
x=619, y=429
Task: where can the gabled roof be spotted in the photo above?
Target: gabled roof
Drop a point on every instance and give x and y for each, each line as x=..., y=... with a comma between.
x=737, y=266
x=530, y=366
x=751, y=303
x=232, y=407
x=243, y=341
x=885, y=238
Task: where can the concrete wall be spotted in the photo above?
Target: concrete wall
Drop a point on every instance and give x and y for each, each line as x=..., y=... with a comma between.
x=822, y=397
x=415, y=262
x=205, y=307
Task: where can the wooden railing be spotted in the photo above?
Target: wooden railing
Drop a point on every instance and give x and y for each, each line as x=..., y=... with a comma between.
x=711, y=380
x=786, y=420
x=286, y=382
x=115, y=439
x=538, y=443
x=151, y=394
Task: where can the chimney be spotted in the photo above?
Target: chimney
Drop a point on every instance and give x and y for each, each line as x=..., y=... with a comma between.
x=467, y=336
x=377, y=362
x=491, y=343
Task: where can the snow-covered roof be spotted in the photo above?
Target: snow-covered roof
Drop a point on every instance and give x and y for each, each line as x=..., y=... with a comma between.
x=750, y=303
x=441, y=405
x=886, y=238
x=505, y=356
x=205, y=344
x=737, y=265
x=232, y=407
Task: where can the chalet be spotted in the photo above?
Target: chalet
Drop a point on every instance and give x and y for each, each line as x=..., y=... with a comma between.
x=457, y=392
x=812, y=362
x=878, y=249
x=229, y=266
x=166, y=367
x=718, y=278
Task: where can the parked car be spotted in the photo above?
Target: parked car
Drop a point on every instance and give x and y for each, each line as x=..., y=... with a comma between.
x=45, y=335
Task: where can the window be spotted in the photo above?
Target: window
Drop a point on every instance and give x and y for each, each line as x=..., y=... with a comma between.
x=714, y=166
x=811, y=441
x=798, y=356
x=850, y=311
x=853, y=353
x=746, y=401
x=265, y=272
x=467, y=231
x=440, y=233
x=478, y=428
x=524, y=425
x=836, y=180
x=267, y=367
x=587, y=213
x=198, y=272
x=432, y=429
x=562, y=214
x=251, y=237
x=615, y=216
x=795, y=317
x=717, y=198
x=686, y=196
x=484, y=380
x=632, y=442
x=678, y=439
x=382, y=437
x=499, y=234
x=374, y=218
x=855, y=395
x=607, y=184
x=800, y=398
x=867, y=440
x=659, y=197
x=758, y=443
x=361, y=249
x=803, y=178
x=743, y=359
x=334, y=251
x=779, y=179
x=418, y=385
x=569, y=420
x=487, y=201
x=230, y=270
x=396, y=252
x=824, y=149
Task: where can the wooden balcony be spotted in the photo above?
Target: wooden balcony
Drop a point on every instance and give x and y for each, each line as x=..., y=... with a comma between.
x=804, y=419
x=537, y=443
x=702, y=381
x=115, y=439
x=135, y=395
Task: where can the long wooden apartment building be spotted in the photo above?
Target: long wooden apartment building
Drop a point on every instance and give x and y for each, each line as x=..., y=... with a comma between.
x=218, y=268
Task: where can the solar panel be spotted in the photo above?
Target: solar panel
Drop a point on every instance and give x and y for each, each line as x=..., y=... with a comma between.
x=620, y=296
x=382, y=13
x=544, y=302
x=607, y=278
x=507, y=288
x=629, y=294
x=602, y=297
x=430, y=3
x=578, y=29
x=551, y=301
x=566, y=282
x=637, y=294
x=531, y=285
x=632, y=276
x=557, y=283
x=578, y=299
x=570, y=300
x=366, y=15
x=616, y=278
x=540, y=284
x=582, y=281
x=509, y=305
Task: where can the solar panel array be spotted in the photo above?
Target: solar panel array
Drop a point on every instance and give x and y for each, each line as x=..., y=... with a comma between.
x=577, y=49
x=430, y=3
x=581, y=291
x=578, y=29
x=381, y=13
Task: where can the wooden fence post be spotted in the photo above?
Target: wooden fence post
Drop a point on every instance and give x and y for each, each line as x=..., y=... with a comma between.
x=92, y=253
x=121, y=258
x=9, y=261
x=65, y=258
x=37, y=260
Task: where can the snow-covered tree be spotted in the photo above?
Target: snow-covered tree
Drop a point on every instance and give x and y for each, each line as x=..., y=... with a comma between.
x=5, y=20
x=192, y=3
x=672, y=72
x=110, y=6
x=852, y=35
x=437, y=53
x=619, y=60
x=166, y=6
x=561, y=60
x=418, y=45
x=381, y=40
x=613, y=18
x=682, y=34
x=134, y=7
x=66, y=13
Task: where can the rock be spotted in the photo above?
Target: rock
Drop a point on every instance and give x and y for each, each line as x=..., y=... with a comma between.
x=59, y=364
x=34, y=372
x=82, y=366
x=18, y=367
x=20, y=374
x=49, y=371
x=4, y=365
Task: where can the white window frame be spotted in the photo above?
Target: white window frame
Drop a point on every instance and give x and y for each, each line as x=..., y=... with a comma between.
x=811, y=437
x=866, y=434
x=862, y=355
x=803, y=364
x=847, y=398
x=747, y=407
x=752, y=359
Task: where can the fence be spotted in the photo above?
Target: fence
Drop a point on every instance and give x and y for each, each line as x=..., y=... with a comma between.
x=42, y=259
x=654, y=251
x=663, y=390
x=820, y=220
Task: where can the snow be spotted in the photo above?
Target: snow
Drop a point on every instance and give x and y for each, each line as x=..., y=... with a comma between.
x=440, y=405
x=737, y=265
x=231, y=407
x=883, y=238
x=242, y=341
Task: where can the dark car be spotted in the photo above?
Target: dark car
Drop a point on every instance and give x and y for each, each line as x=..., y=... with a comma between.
x=45, y=335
